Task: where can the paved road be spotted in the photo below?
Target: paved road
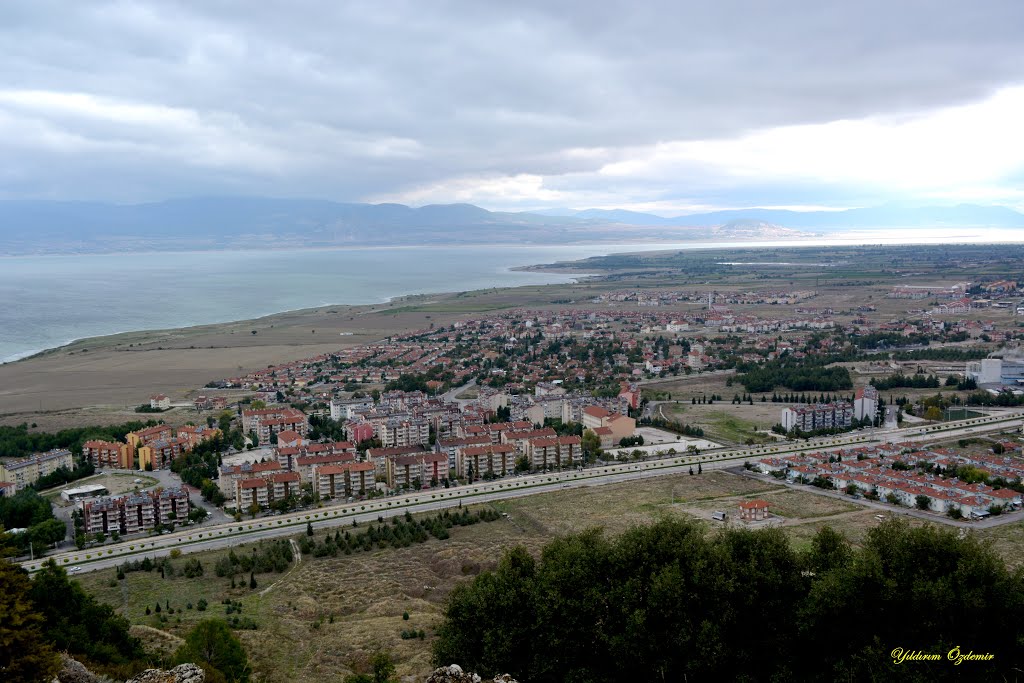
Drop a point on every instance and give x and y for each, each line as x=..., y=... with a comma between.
x=449, y=396
x=227, y=535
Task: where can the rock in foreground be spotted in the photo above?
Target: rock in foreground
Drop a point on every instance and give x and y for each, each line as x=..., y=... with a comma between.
x=183, y=673
x=455, y=674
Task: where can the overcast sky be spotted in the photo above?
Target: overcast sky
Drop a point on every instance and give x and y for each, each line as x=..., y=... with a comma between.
x=663, y=106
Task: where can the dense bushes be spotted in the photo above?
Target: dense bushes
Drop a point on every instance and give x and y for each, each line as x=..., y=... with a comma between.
x=667, y=602
x=266, y=556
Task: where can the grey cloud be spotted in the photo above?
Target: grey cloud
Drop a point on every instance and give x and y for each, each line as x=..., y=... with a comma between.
x=351, y=99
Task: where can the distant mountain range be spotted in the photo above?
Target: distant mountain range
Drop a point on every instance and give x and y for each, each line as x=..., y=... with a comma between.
x=211, y=223
x=961, y=215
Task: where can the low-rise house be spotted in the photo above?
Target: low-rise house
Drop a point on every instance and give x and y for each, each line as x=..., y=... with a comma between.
x=159, y=402
x=754, y=510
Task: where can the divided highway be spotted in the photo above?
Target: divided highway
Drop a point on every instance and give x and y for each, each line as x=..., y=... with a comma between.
x=194, y=539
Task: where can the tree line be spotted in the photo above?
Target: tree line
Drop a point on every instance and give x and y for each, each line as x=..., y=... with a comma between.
x=915, y=381
x=20, y=442
x=670, y=602
x=809, y=374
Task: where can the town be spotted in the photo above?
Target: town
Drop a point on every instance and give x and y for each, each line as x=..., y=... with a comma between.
x=528, y=390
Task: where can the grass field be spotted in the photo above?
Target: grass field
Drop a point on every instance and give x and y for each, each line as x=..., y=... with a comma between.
x=726, y=422
x=328, y=616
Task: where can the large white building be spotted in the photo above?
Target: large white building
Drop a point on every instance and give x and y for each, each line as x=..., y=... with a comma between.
x=865, y=403
x=987, y=371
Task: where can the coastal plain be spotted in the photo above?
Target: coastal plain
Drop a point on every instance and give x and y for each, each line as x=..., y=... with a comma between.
x=100, y=380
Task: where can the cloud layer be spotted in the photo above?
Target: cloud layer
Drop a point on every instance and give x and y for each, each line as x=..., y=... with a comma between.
x=657, y=105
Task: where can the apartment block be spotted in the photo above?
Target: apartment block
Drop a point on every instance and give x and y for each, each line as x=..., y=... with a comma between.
x=498, y=459
x=264, y=491
x=109, y=454
x=269, y=421
x=818, y=416
x=144, y=436
x=135, y=512
x=555, y=451
x=27, y=471
x=158, y=454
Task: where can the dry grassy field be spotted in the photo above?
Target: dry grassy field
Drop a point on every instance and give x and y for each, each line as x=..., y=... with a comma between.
x=327, y=616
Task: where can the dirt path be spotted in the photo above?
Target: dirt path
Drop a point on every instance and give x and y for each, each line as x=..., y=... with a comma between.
x=296, y=556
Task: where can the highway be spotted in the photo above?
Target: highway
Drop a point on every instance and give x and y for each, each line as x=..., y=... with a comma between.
x=197, y=538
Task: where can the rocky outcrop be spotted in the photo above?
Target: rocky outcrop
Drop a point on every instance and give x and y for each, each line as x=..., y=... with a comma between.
x=455, y=674
x=183, y=673
x=73, y=671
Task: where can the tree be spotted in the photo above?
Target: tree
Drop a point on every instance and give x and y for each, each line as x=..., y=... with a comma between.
x=910, y=570
x=252, y=581
x=77, y=623
x=922, y=502
x=309, y=528
x=25, y=656
x=49, y=532
x=668, y=602
x=829, y=550
x=383, y=668
x=213, y=646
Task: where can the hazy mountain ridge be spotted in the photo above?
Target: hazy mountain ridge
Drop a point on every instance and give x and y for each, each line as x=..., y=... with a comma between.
x=30, y=226
x=961, y=215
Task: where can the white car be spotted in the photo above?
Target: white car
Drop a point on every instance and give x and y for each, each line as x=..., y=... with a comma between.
x=76, y=569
